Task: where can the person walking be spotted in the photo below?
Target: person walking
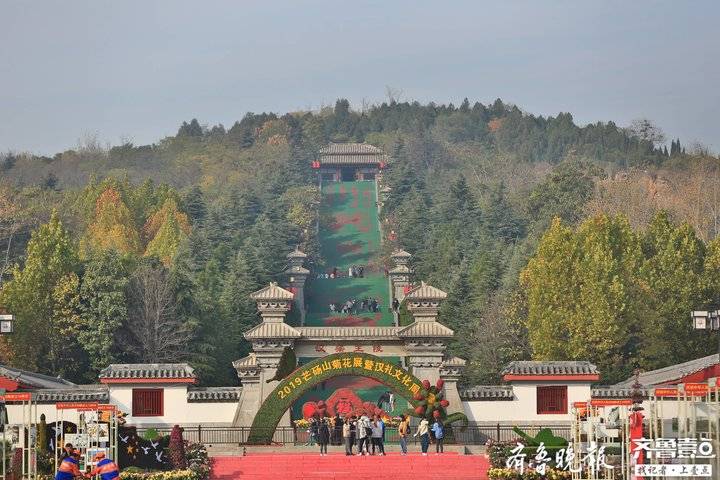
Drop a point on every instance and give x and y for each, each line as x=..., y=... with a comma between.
x=347, y=437
x=403, y=431
x=423, y=433
x=323, y=436
x=438, y=432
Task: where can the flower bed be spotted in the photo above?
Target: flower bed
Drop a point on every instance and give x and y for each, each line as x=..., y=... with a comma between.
x=511, y=474
x=169, y=475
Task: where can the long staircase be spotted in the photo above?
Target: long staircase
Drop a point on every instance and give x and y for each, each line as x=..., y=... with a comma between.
x=350, y=236
x=337, y=466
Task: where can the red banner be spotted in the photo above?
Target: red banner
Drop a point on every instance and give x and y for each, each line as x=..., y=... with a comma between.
x=611, y=402
x=76, y=406
x=579, y=404
x=16, y=397
x=666, y=392
x=107, y=408
x=696, y=389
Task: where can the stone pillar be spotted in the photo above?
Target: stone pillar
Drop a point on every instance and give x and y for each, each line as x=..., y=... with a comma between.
x=297, y=275
x=450, y=371
x=400, y=274
x=425, y=338
x=269, y=340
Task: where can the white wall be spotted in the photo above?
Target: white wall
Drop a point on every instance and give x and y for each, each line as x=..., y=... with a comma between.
x=176, y=408
x=523, y=408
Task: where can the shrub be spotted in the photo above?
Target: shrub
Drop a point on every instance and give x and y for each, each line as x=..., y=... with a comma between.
x=198, y=459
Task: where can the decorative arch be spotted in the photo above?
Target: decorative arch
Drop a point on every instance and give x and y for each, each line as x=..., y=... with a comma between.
x=289, y=389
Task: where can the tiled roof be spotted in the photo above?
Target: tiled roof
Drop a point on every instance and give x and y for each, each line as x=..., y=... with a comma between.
x=550, y=368
x=272, y=330
x=351, y=153
x=272, y=292
x=298, y=270
x=296, y=254
x=425, y=329
x=148, y=371
x=246, y=362
x=350, y=149
x=425, y=292
x=614, y=392
x=214, y=394
x=454, y=362
x=32, y=379
x=487, y=392
x=349, y=333
x=672, y=373
x=400, y=254
x=89, y=393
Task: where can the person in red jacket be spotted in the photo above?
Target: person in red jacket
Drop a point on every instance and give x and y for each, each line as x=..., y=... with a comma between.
x=106, y=468
x=69, y=469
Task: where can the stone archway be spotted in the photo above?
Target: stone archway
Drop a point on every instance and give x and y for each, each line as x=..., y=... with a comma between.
x=397, y=379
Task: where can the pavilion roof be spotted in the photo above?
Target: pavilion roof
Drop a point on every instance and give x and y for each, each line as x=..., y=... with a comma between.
x=272, y=330
x=351, y=153
x=425, y=292
x=272, y=292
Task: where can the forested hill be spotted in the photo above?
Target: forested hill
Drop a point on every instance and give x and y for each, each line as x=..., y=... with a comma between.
x=98, y=242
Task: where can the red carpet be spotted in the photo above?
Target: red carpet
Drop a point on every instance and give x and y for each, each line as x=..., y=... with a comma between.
x=337, y=466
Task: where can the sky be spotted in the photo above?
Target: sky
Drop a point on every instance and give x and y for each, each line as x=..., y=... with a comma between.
x=134, y=70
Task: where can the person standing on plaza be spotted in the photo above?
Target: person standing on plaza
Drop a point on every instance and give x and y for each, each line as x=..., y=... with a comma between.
x=363, y=432
x=353, y=431
x=438, y=432
x=323, y=436
x=312, y=432
x=377, y=436
x=347, y=437
x=337, y=430
x=423, y=433
x=403, y=431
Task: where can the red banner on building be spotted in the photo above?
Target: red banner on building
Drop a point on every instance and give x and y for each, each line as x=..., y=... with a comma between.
x=666, y=392
x=107, y=408
x=77, y=406
x=696, y=389
x=611, y=402
x=16, y=397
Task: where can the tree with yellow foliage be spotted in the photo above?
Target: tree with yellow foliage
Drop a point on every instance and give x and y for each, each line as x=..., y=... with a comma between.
x=113, y=227
x=166, y=229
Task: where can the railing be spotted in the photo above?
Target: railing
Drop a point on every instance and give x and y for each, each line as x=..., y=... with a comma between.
x=474, y=434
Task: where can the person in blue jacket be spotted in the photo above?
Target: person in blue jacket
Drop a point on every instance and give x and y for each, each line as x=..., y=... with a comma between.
x=106, y=468
x=69, y=468
x=438, y=433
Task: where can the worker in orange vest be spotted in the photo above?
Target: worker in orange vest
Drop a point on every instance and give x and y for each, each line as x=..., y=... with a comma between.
x=106, y=468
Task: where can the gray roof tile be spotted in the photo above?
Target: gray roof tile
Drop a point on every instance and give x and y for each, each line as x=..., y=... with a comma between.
x=487, y=392
x=214, y=394
x=550, y=368
x=672, y=373
x=148, y=370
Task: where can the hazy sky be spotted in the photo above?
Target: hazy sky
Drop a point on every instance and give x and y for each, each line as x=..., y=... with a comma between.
x=137, y=69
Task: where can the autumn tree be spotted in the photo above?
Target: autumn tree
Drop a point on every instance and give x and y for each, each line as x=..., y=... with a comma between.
x=113, y=227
